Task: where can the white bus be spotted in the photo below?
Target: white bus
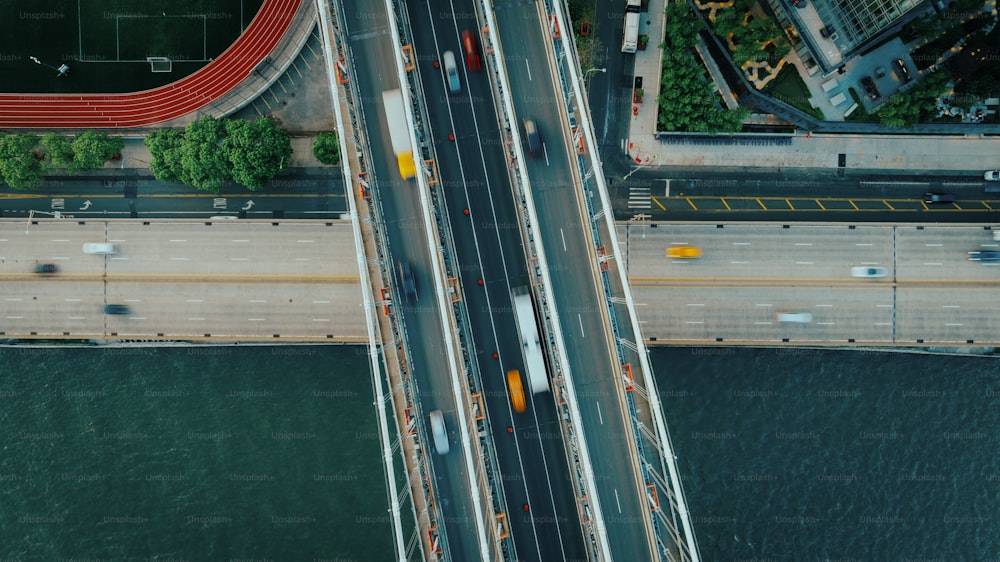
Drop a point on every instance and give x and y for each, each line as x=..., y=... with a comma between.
x=531, y=345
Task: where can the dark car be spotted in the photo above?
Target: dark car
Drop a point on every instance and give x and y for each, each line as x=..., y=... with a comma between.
x=985, y=256
x=940, y=197
x=870, y=88
x=903, y=71
x=533, y=137
x=116, y=309
x=409, y=282
x=46, y=269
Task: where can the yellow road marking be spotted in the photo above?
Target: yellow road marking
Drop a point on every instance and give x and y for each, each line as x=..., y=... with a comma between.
x=690, y=202
x=296, y=67
x=658, y=204
x=304, y=61
x=891, y=208
x=789, y=203
x=820, y=203
x=724, y=202
x=761, y=203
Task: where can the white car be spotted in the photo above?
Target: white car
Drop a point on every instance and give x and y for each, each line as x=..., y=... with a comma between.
x=100, y=248
x=870, y=272
x=992, y=175
x=797, y=317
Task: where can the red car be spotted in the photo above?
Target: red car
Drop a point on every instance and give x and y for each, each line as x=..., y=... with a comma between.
x=471, y=48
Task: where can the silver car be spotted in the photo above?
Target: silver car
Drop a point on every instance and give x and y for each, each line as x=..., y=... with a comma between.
x=795, y=317
x=870, y=272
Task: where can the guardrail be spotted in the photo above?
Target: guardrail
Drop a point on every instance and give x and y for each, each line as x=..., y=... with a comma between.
x=665, y=514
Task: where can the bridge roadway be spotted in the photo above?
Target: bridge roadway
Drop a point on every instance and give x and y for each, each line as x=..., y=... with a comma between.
x=229, y=280
x=748, y=273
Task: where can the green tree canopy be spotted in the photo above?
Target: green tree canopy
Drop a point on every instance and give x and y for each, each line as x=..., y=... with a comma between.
x=326, y=148
x=164, y=147
x=905, y=109
x=58, y=151
x=258, y=151
x=19, y=166
x=204, y=163
x=92, y=149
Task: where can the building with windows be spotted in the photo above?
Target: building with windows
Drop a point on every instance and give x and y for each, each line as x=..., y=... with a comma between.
x=831, y=31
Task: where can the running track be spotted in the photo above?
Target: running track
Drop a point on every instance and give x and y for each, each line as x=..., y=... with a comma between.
x=91, y=111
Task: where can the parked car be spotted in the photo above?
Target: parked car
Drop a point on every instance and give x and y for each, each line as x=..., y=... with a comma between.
x=683, y=252
x=985, y=256
x=46, y=269
x=116, y=309
x=903, y=71
x=940, y=197
x=869, y=272
x=795, y=317
x=992, y=175
x=870, y=88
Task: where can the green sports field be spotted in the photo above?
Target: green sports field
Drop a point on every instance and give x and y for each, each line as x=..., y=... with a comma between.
x=105, y=43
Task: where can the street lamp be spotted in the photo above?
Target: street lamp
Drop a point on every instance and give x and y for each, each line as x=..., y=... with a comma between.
x=589, y=70
x=637, y=168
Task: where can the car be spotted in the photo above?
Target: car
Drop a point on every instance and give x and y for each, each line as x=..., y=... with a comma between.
x=533, y=137
x=992, y=175
x=439, y=432
x=100, y=248
x=903, y=71
x=795, y=317
x=930, y=197
x=409, y=282
x=46, y=269
x=683, y=252
x=451, y=71
x=870, y=88
x=985, y=256
x=116, y=309
x=471, y=48
x=869, y=272
x=516, y=390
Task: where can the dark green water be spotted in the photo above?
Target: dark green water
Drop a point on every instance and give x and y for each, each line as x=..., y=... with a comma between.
x=190, y=454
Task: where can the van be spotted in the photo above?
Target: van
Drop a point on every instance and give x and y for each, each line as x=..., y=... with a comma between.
x=439, y=432
x=100, y=248
x=471, y=48
x=534, y=139
x=451, y=71
x=795, y=317
x=516, y=390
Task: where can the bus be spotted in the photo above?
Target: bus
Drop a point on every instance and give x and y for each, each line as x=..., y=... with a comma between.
x=531, y=345
x=516, y=390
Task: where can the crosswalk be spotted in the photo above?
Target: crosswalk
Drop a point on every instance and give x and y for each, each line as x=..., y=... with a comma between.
x=639, y=198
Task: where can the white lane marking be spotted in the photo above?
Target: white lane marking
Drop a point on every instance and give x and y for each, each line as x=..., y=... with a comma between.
x=580, y=320
x=12, y=299
x=694, y=322
x=305, y=241
x=77, y=317
x=256, y=319
x=863, y=244
x=617, y=501
x=321, y=302
x=803, y=243
x=764, y=304
x=303, y=259
x=72, y=300
x=600, y=416
x=952, y=325
x=741, y=243
x=181, y=259
x=195, y=318
x=932, y=263
x=239, y=259
x=196, y=300
x=950, y=306
x=133, y=300
x=933, y=245
x=563, y=236
x=320, y=319
x=803, y=263
x=15, y=318
x=883, y=306
x=60, y=258
x=825, y=305
x=59, y=240
x=120, y=259
x=827, y=323
x=695, y=304
x=257, y=300
x=740, y=262
x=527, y=67
x=763, y=323
x=240, y=241
x=883, y=323
x=136, y=317
x=178, y=240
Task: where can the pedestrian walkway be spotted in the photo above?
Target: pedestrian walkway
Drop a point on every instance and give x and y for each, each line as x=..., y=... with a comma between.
x=969, y=149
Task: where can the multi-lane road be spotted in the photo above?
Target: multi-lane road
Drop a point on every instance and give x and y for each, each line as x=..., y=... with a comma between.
x=749, y=274
x=230, y=279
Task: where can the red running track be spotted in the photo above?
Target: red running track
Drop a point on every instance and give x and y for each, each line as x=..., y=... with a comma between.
x=91, y=111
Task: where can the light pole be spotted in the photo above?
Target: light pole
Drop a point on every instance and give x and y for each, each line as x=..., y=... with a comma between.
x=637, y=168
x=63, y=70
x=586, y=74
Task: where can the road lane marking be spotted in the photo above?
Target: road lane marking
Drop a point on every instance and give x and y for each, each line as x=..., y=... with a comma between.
x=196, y=300
x=527, y=68
x=240, y=241
x=239, y=259
x=695, y=304
x=195, y=318
x=76, y=317
x=14, y=299
x=320, y=319
x=741, y=243
x=763, y=323
x=563, y=235
x=256, y=319
x=72, y=300
x=15, y=318
x=863, y=244
x=580, y=320
x=178, y=240
x=952, y=325
x=804, y=263
x=934, y=245
x=827, y=323
x=763, y=304
x=803, y=243
x=932, y=263
x=303, y=259
x=740, y=262
x=693, y=322
x=600, y=416
x=883, y=306
x=826, y=305
x=950, y=306
x=321, y=302
x=257, y=300
x=617, y=501
x=181, y=259
x=883, y=323
x=305, y=241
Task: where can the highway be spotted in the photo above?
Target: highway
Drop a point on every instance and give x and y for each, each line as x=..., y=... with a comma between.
x=242, y=280
x=474, y=178
x=575, y=291
x=749, y=273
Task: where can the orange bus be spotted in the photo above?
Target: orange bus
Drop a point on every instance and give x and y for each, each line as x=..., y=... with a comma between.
x=516, y=390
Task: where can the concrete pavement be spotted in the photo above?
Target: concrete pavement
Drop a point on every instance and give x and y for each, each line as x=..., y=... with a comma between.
x=965, y=149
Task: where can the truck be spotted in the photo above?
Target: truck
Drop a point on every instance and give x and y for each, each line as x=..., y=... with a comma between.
x=395, y=118
x=631, y=38
x=531, y=345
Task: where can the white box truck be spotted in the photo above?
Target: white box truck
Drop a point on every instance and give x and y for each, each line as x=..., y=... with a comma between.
x=395, y=118
x=631, y=38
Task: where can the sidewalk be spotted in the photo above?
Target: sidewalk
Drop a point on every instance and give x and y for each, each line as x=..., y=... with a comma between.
x=971, y=153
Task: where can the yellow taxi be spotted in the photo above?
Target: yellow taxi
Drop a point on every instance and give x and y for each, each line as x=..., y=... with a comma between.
x=683, y=252
x=516, y=390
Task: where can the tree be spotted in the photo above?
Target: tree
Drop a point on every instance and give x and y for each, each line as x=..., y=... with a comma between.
x=258, y=151
x=326, y=148
x=906, y=109
x=58, y=151
x=204, y=163
x=91, y=149
x=164, y=147
x=19, y=165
